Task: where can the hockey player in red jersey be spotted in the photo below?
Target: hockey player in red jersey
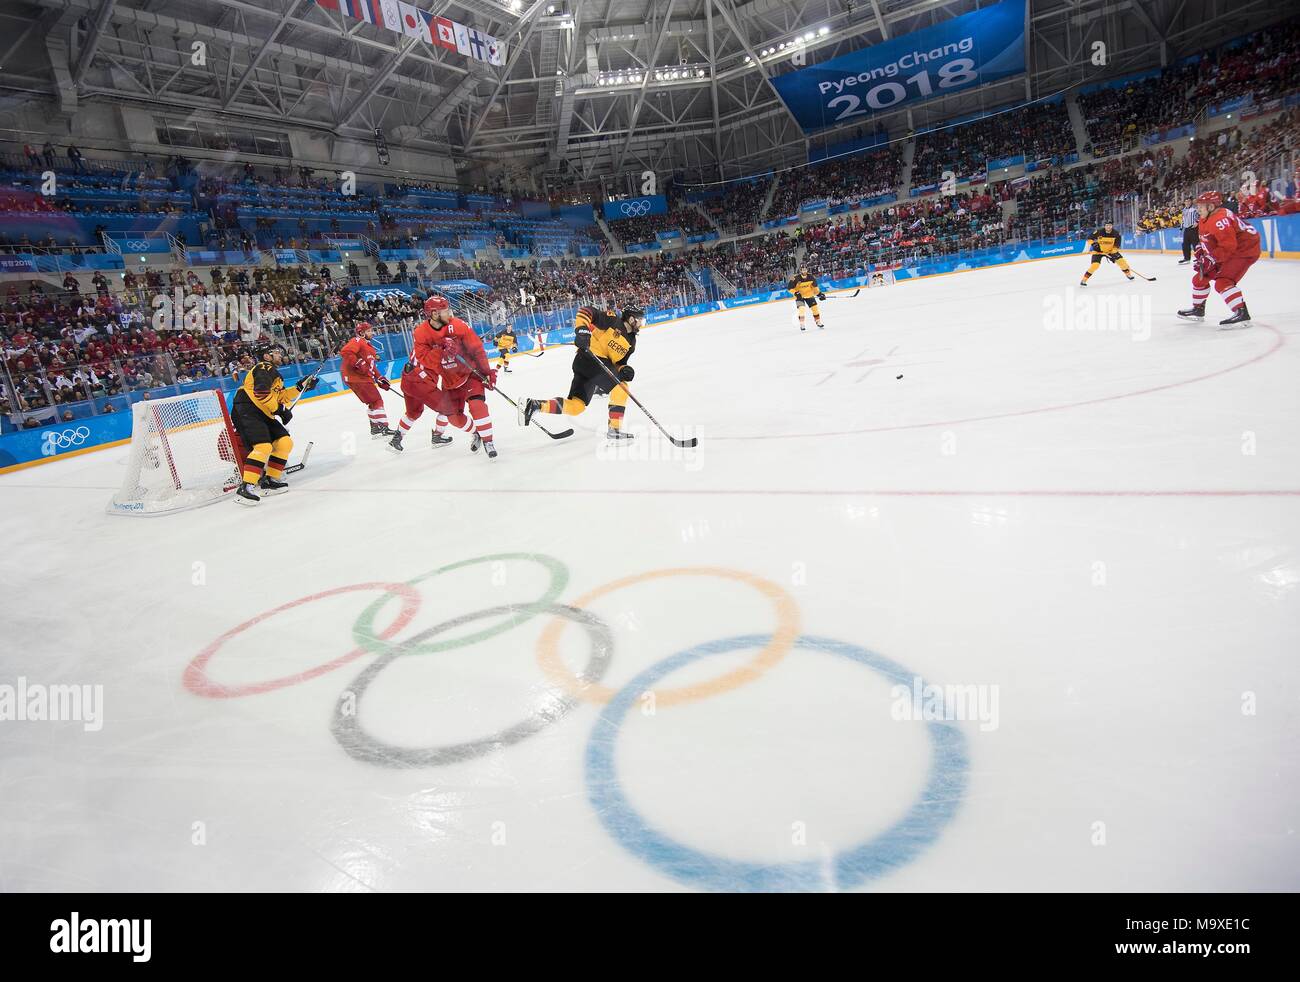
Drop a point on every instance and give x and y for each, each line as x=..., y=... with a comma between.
x=361, y=375
x=1228, y=248
x=443, y=374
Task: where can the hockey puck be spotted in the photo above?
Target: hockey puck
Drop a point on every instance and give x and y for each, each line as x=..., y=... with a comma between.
x=898, y=376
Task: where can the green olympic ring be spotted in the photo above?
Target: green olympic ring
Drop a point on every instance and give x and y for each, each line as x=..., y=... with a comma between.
x=365, y=635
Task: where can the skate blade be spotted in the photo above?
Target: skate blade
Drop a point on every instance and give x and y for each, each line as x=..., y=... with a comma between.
x=266, y=492
x=1241, y=326
x=248, y=502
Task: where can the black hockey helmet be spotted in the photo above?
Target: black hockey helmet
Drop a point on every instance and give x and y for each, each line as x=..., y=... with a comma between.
x=633, y=319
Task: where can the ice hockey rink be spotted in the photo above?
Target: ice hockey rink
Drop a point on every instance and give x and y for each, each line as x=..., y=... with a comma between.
x=579, y=668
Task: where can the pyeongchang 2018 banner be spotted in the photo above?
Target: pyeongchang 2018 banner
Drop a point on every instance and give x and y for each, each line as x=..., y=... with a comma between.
x=651, y=204
x=967, y=51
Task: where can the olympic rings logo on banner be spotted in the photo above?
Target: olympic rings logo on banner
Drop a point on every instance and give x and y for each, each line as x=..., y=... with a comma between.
x=635, y=209
x=908, y=837
x=56, y=440
x=137, y=245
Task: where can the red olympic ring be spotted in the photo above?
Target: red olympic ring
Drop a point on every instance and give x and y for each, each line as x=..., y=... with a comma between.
x=196, y=677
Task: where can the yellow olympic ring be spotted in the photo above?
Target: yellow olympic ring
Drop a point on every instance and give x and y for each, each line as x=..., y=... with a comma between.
x=783, y=637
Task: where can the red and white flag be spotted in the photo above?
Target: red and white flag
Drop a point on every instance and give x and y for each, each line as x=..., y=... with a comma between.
x=413, y=22
x=444, y=35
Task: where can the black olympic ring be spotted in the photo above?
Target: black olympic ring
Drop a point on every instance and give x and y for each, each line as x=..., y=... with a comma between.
x=361, y=746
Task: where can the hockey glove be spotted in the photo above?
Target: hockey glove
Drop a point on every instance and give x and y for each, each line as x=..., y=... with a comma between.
x=626, y=373
x=308, y=383
x=582, y=341
x=821, y=294
x=383, y=383
x=490, y=379
x=1204, y=263
x=285, y=414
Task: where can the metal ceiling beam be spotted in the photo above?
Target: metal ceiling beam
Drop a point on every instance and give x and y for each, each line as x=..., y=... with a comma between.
x=102, y=17
x=639, y=101
x=749, y=50
x=262, y=51
x=532, y=17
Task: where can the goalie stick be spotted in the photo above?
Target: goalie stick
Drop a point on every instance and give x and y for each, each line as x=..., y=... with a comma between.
x=688, y=442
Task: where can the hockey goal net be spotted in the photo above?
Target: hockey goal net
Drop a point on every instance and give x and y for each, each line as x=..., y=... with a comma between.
x=881, y=277
x=184, y=454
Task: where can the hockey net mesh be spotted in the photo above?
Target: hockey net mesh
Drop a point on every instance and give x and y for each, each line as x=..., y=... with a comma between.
x=182, y=456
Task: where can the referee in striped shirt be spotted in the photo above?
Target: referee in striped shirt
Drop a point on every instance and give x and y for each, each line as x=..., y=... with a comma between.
x=1191, y=235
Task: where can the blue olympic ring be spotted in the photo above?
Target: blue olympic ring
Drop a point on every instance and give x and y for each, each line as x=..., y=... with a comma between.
x=891, y=849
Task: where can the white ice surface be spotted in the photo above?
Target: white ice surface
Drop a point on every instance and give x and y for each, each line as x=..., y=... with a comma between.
x=1104, y=528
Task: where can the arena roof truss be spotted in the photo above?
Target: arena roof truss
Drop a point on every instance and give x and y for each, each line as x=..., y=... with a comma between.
x=587, y=88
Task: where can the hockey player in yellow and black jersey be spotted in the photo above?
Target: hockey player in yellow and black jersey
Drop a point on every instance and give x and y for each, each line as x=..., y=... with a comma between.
x=806, y=294
x=259, y=415
x=1104, y=244
x=506, y=345
x=603, y=337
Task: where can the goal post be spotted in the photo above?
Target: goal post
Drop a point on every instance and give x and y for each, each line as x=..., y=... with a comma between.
x=184, y=454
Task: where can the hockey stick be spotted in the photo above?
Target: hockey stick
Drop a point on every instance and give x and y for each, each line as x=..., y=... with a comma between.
x=1149, y=279
x=849, y=297
x=482, y=378
x=295, y=468
x=312, y=374
x=689, y=442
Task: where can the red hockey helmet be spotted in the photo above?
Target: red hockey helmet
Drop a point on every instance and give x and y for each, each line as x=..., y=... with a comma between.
x=436, y=303
x=1212, y=198
x=365, y=326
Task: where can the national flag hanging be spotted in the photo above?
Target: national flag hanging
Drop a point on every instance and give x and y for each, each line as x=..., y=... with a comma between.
x=406, y=18
x=392, y=14
x=445, y=33
x=413, y=25
x=462, y=38
x=477, y=44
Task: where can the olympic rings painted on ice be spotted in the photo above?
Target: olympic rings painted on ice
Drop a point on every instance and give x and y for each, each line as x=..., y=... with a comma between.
x=360, y=745
x=775, y=648
x=883, y=853
x=363, y=631
x=196, y=677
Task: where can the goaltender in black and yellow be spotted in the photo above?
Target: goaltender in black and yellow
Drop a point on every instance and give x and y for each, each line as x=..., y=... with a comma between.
x=603, y=338
x=260, y=413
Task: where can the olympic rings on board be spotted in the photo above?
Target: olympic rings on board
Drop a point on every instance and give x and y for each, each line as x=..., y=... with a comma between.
x=360, y=745
x=776, y=647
